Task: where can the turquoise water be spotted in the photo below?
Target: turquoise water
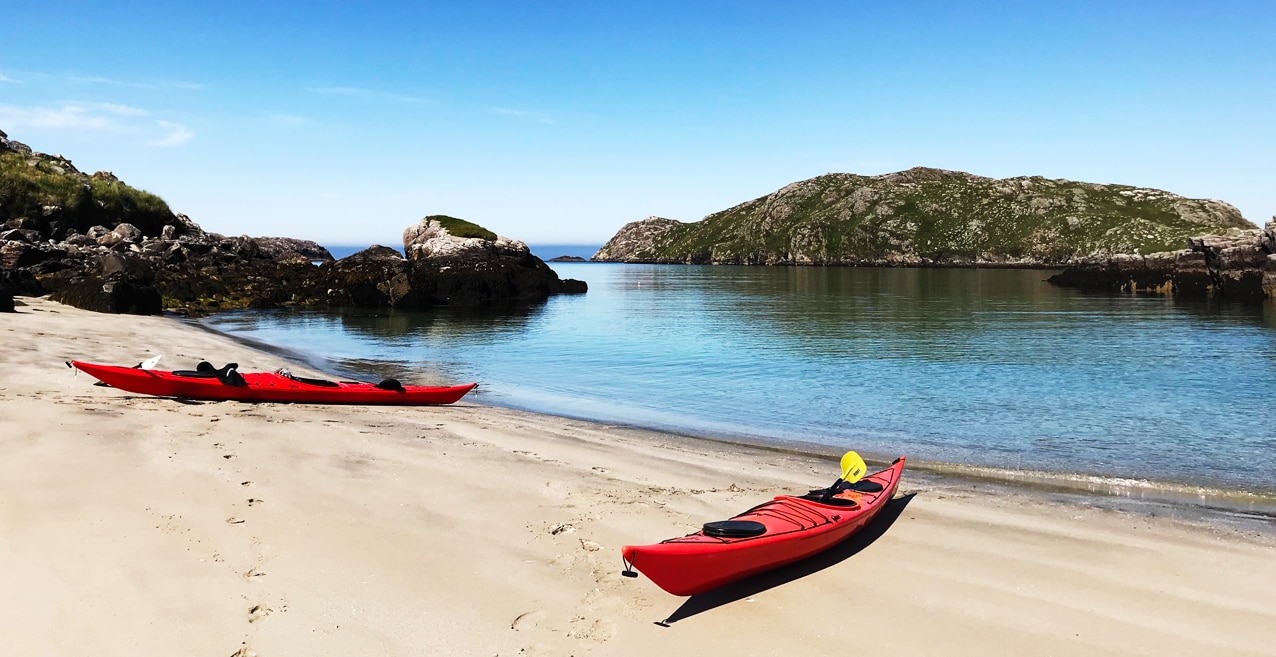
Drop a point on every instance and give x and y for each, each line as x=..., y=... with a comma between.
x=992, y=368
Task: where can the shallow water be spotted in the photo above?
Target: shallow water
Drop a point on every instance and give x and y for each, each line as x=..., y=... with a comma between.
x=991, y=368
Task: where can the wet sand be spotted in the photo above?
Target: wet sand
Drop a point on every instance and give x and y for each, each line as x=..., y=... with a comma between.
x=134, y=525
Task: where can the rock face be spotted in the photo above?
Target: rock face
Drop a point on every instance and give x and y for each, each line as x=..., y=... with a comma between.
x=1239, y=265
x=47, y=194
x=928, y=217
x=138, y=257
x=452, y=261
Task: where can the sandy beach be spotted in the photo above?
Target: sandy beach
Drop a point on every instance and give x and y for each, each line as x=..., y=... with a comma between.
x=133, y=525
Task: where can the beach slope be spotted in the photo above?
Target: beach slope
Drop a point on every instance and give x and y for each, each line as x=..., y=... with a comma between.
x=134, y=525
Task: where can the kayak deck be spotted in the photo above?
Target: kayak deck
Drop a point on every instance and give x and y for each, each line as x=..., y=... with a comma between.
x=793, y=528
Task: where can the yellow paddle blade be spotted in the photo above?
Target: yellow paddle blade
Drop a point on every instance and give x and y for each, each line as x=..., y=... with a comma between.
x=853, y=467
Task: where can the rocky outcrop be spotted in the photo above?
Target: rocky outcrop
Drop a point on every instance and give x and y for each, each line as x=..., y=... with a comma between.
x=928, y=217
x=277, y=247
x=649, y=240
x=47, y=194
x=1238, y=265
x=144, y=259
x=451, y=261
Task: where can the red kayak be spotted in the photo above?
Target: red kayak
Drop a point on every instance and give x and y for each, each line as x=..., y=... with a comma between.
x=228, y=384
x=769, y=535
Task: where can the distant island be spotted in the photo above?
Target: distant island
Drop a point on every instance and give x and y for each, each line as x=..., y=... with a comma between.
x=929, y=217
x=567, y=258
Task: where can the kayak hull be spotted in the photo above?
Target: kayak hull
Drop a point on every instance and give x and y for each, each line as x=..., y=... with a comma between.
x=796, y=528
x=267, y=387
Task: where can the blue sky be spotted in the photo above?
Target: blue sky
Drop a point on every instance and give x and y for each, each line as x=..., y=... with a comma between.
x=560, y=122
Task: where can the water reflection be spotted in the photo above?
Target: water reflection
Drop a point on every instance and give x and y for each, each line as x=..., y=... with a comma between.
x=990, y=367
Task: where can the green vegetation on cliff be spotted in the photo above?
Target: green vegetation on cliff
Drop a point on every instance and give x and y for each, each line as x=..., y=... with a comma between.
x=461, y=227
x=928, y=217
x=48, y=189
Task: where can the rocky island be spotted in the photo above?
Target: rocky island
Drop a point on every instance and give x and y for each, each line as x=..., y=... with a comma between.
x=928, y=217
x=93, y=242
x=1112, y=237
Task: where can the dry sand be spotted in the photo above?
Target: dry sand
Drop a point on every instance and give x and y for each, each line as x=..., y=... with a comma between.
x=141, y=526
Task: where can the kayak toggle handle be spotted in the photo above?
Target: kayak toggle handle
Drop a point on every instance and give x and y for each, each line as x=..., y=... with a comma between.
x=629, y=568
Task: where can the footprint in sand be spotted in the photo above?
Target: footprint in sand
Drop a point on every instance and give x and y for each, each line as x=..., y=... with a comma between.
x=599, y=630
x=258, y=612
x=527, y=620
x=234, y=521
x=252, y=501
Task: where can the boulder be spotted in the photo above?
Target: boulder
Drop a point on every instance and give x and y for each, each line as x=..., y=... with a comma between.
x=455, y=262
x=277, y=247
x=376, y=277
x=128, y=232
x=91, y=292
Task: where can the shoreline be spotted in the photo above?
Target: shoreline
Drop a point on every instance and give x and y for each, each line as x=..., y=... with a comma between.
x=139, y=524
x=1133, y=494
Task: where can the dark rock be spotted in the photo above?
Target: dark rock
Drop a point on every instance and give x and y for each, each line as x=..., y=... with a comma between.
x=120, y=297
x=26, y=223
x=20, y=235
x=128, y=232
x=16, y=255
x=1236, y=266
x=376, y=277
x=6, y=302
x=567, y=258
x=19, y=282
x=275, y=247
x=448, y=270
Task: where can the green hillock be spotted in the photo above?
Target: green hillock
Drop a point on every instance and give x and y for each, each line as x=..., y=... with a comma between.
x=929, y=217
x=47, y=189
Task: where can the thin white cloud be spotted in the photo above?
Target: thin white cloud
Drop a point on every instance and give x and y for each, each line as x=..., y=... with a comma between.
x=99, y=79
x=5, y=78
x=360, y=92
x=67, y=116
x=177, y=134
x=340, y=91
x=538, y=117
x=289, y=119
x=117, y=109
x=105, y=80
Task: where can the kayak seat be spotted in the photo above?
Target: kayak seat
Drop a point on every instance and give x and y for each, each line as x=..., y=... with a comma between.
x=228, y=376
x=205, y=370
x=316, y=382
x=734, y=528
x=863, y=486
x=391, y=384
x=194, y=374
x=817, y=495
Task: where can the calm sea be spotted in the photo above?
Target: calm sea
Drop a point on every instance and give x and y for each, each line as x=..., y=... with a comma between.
x=991, y=368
